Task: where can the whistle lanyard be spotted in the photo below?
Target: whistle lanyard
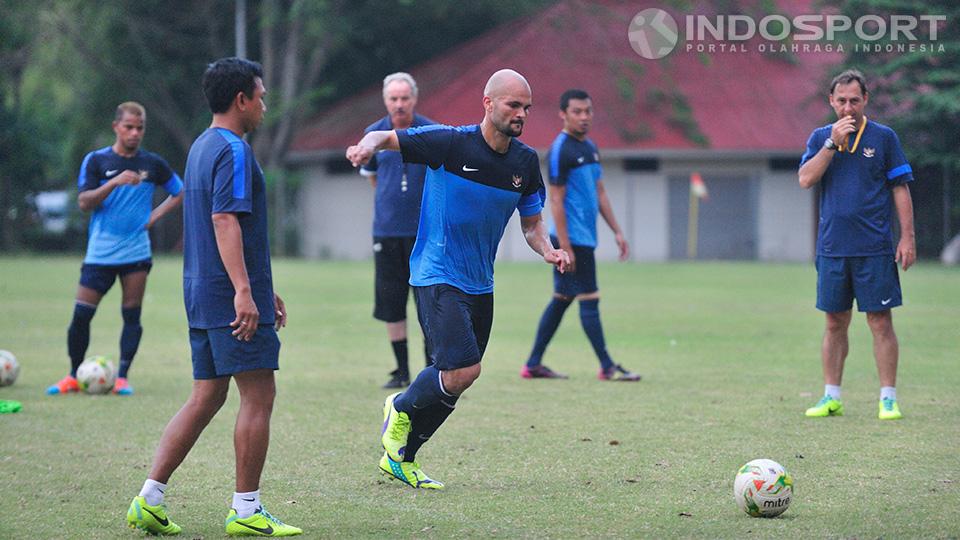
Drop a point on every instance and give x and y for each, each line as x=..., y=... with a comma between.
x=856, y=141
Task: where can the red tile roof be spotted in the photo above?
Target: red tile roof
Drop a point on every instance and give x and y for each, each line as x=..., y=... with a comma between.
x=742, y=101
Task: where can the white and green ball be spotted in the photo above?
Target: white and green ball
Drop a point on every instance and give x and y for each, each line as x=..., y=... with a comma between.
x=763, y=488
x=9, y=368
x=96, y=375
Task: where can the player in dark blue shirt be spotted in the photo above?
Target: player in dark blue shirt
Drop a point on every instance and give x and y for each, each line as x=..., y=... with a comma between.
x=399, y=189
x=477, y=177
x=864, y=178
x=577, y=195
x=232, y=310
x=117, y=184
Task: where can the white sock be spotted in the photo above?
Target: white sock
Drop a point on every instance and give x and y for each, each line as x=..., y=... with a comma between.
x=832, y=390
x=152, y=491
x=888, y=392
x=246, y=504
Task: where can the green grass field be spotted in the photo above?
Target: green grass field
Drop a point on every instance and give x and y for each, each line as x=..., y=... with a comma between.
x=730, y=358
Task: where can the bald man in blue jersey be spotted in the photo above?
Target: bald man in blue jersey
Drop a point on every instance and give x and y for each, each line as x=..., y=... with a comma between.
x=117, y=183
x=477, y=177
x=864, y=178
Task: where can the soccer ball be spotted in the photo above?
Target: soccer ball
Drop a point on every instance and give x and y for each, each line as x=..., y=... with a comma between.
x=763, y=488
x=9, y=368
x=96, y=375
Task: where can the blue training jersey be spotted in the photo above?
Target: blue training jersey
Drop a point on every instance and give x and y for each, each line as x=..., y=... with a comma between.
x=469, y=195
x=118, y=227
x=399, y=187
x=576, y=165
x=856, y=201
x=222, y=176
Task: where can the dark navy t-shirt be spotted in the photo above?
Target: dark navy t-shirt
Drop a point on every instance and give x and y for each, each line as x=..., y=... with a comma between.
x=399, y=187
x=118, y=227
x=222, y=176
x=856, y=201
x=576, y=165
x=469, y=195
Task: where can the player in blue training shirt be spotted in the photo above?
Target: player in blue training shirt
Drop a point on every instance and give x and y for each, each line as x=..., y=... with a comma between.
x=399, y=189
x=477, y=177
x=232, y=310
x=577, y=194
x=864, y=177
x=117, y=184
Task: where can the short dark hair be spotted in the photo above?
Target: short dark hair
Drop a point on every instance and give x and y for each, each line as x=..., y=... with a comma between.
x=225, y=78
x=573, y=93
x=848, y=77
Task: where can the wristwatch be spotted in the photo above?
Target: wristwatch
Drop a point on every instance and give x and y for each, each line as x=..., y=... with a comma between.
x=829, y=144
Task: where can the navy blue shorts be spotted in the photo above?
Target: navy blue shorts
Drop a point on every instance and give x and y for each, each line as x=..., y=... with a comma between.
x=217, y=353
x=873, y=281
x=391, y=259
x=584, y=280
x=456, y=324
x=100, y=277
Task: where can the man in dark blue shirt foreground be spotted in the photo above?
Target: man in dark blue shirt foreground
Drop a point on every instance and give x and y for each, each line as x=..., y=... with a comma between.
x=477, y=177
x=863, y=177
x=399, y=190
x=232, y=310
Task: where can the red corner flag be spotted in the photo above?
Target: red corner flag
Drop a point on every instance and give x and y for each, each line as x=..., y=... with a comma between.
x=697, y=187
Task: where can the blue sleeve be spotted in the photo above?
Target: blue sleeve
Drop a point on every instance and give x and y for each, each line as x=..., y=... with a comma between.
x=233, y=180
x=166, y=177
x=559, y=163
x=89, y=173
x=814, y=143
x=371, y=167
x=897, y=169
x=534, y=196
x=427, y=144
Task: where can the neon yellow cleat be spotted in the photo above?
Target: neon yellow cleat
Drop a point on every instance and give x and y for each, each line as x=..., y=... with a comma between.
x=396, y=428
x=889, y=410
x=409, y=473
x=261, y=523
x=827, y=406
x=151, y=519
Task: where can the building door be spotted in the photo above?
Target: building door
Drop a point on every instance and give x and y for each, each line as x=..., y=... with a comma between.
x=727, y=218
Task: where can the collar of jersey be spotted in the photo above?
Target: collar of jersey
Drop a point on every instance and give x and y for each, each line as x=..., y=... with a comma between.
x=856, y=142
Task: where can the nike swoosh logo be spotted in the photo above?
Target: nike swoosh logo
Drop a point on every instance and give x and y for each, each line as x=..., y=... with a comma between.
x=885, y=302
x=112, y=172
x=424, y=437
x=267, y=531
x=160, y=520
x=468, y=169
x=248, y=500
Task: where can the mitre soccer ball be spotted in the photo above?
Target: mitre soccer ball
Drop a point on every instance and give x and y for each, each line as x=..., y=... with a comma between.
x=9, y=368
x=96, y=375
x=763, y=488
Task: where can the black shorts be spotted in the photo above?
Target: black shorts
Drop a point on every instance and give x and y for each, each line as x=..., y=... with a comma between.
x=584, y=280
x=455, y=324
x=391, y=258
x=100, y=277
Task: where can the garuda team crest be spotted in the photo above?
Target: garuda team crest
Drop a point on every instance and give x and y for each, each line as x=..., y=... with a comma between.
x=517, y=181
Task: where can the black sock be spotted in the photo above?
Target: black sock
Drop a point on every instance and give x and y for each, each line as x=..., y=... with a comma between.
x=78, y=334
x=426, y=424
x=400, y=353
x=129, y=338
x=590, y=319
x=549, y=322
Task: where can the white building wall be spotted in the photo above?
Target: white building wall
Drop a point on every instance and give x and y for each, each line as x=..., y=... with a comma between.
x=336, y=215
x=787, y=231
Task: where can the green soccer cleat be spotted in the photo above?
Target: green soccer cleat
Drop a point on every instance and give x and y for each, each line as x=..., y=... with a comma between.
x=396, y=428
x=261, y=523
x=827, y=406
x=889, y=410
x=409, y=473
x=150, y=519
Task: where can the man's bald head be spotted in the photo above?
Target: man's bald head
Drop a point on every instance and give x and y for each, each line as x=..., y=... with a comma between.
x=504, y=82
